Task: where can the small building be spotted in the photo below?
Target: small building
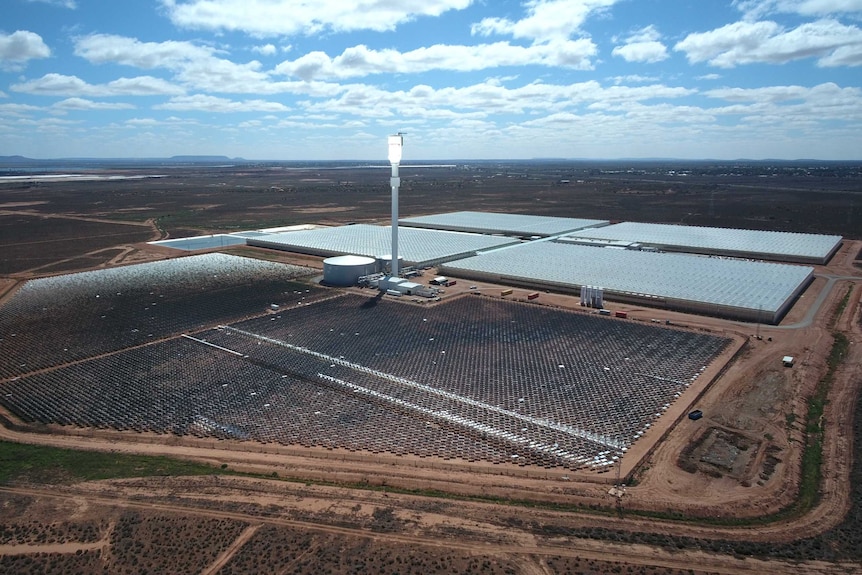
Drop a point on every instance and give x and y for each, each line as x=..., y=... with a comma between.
x=408, y=288
x=787, y=360
x=390, y=283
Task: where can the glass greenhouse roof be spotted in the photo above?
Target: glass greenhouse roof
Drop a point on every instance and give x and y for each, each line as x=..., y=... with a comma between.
x=201, y=242
x=778, y=245
x=515, y=224
x=707, y=280
x=415, y=245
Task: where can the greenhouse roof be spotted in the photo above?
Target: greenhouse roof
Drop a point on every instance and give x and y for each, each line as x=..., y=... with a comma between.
x=707, y=280
x=788, y=246
x=201, y=242
x=415, y=245
x=513, y=224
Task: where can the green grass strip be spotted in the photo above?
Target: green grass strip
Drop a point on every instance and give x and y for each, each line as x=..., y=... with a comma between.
x=53, y=465
x=812, y=457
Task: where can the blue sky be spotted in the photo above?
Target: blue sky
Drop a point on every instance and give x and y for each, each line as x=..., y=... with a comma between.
x=464, y=79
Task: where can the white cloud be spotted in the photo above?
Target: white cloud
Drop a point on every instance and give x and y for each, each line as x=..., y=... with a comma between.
x=647, y=34
x=739, y=43
x=739, y=37
x=545, y=19
x=632, y=78
x=487, y=99
x=771, y=113
x=49, y=123
x=197, y=66
x=362, y=61
x=821, y=93
x=266, y=49
x=791, y=107
x=109, y=48
x=291, y=17
x=220, y=75
x=843, y=56
x=709, y=77
x=142, y=122
x=206, y=103
x=17, y=110
x=70, y=4
x=84, y=104
x=755, y=9
x=642, y=46
x=61, y=85
x=18, y=48
x=649, y=52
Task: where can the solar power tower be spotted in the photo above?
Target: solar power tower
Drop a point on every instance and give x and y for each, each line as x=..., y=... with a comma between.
x=396, y=142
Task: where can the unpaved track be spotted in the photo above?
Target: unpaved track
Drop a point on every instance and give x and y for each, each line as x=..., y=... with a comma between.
x=60, y=548
x=228, y=553
x=538, y=548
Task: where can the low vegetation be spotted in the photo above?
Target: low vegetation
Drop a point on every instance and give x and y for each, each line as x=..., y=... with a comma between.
x=49, y=465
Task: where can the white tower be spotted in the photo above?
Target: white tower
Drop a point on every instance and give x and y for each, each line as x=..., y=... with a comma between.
x=396, y=142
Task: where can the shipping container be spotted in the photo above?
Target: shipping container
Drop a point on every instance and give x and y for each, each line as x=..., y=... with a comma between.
x=533, y=295
x=622, y=314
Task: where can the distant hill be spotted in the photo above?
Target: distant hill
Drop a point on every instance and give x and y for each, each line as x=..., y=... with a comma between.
x=203, y=159
x=16, y=160
x=23, y=161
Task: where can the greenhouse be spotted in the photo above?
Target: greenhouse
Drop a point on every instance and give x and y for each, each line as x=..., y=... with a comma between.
x=201, y=242
x=416, y=246
x=506, y=224
x=739, y=289
x=779, y=246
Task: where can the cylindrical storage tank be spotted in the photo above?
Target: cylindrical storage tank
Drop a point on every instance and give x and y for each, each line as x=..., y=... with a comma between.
x=346, y=270
x=384, y=262
x=587, y=296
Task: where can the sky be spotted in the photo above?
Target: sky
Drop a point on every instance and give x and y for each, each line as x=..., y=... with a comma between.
x=462, y=79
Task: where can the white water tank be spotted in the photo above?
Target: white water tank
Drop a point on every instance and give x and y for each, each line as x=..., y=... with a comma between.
x=592, y=296
x=346, y=270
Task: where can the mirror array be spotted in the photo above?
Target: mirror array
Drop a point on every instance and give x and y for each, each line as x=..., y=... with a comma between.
x=475, y=378
x=55, y=320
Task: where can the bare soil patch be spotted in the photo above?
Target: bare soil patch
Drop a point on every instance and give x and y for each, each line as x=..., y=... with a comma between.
x=718, y=452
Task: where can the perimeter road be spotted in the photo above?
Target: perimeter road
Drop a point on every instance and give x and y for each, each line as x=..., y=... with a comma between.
x=818, y=301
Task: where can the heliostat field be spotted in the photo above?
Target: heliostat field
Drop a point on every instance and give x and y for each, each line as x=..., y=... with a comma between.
x=474, y=378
